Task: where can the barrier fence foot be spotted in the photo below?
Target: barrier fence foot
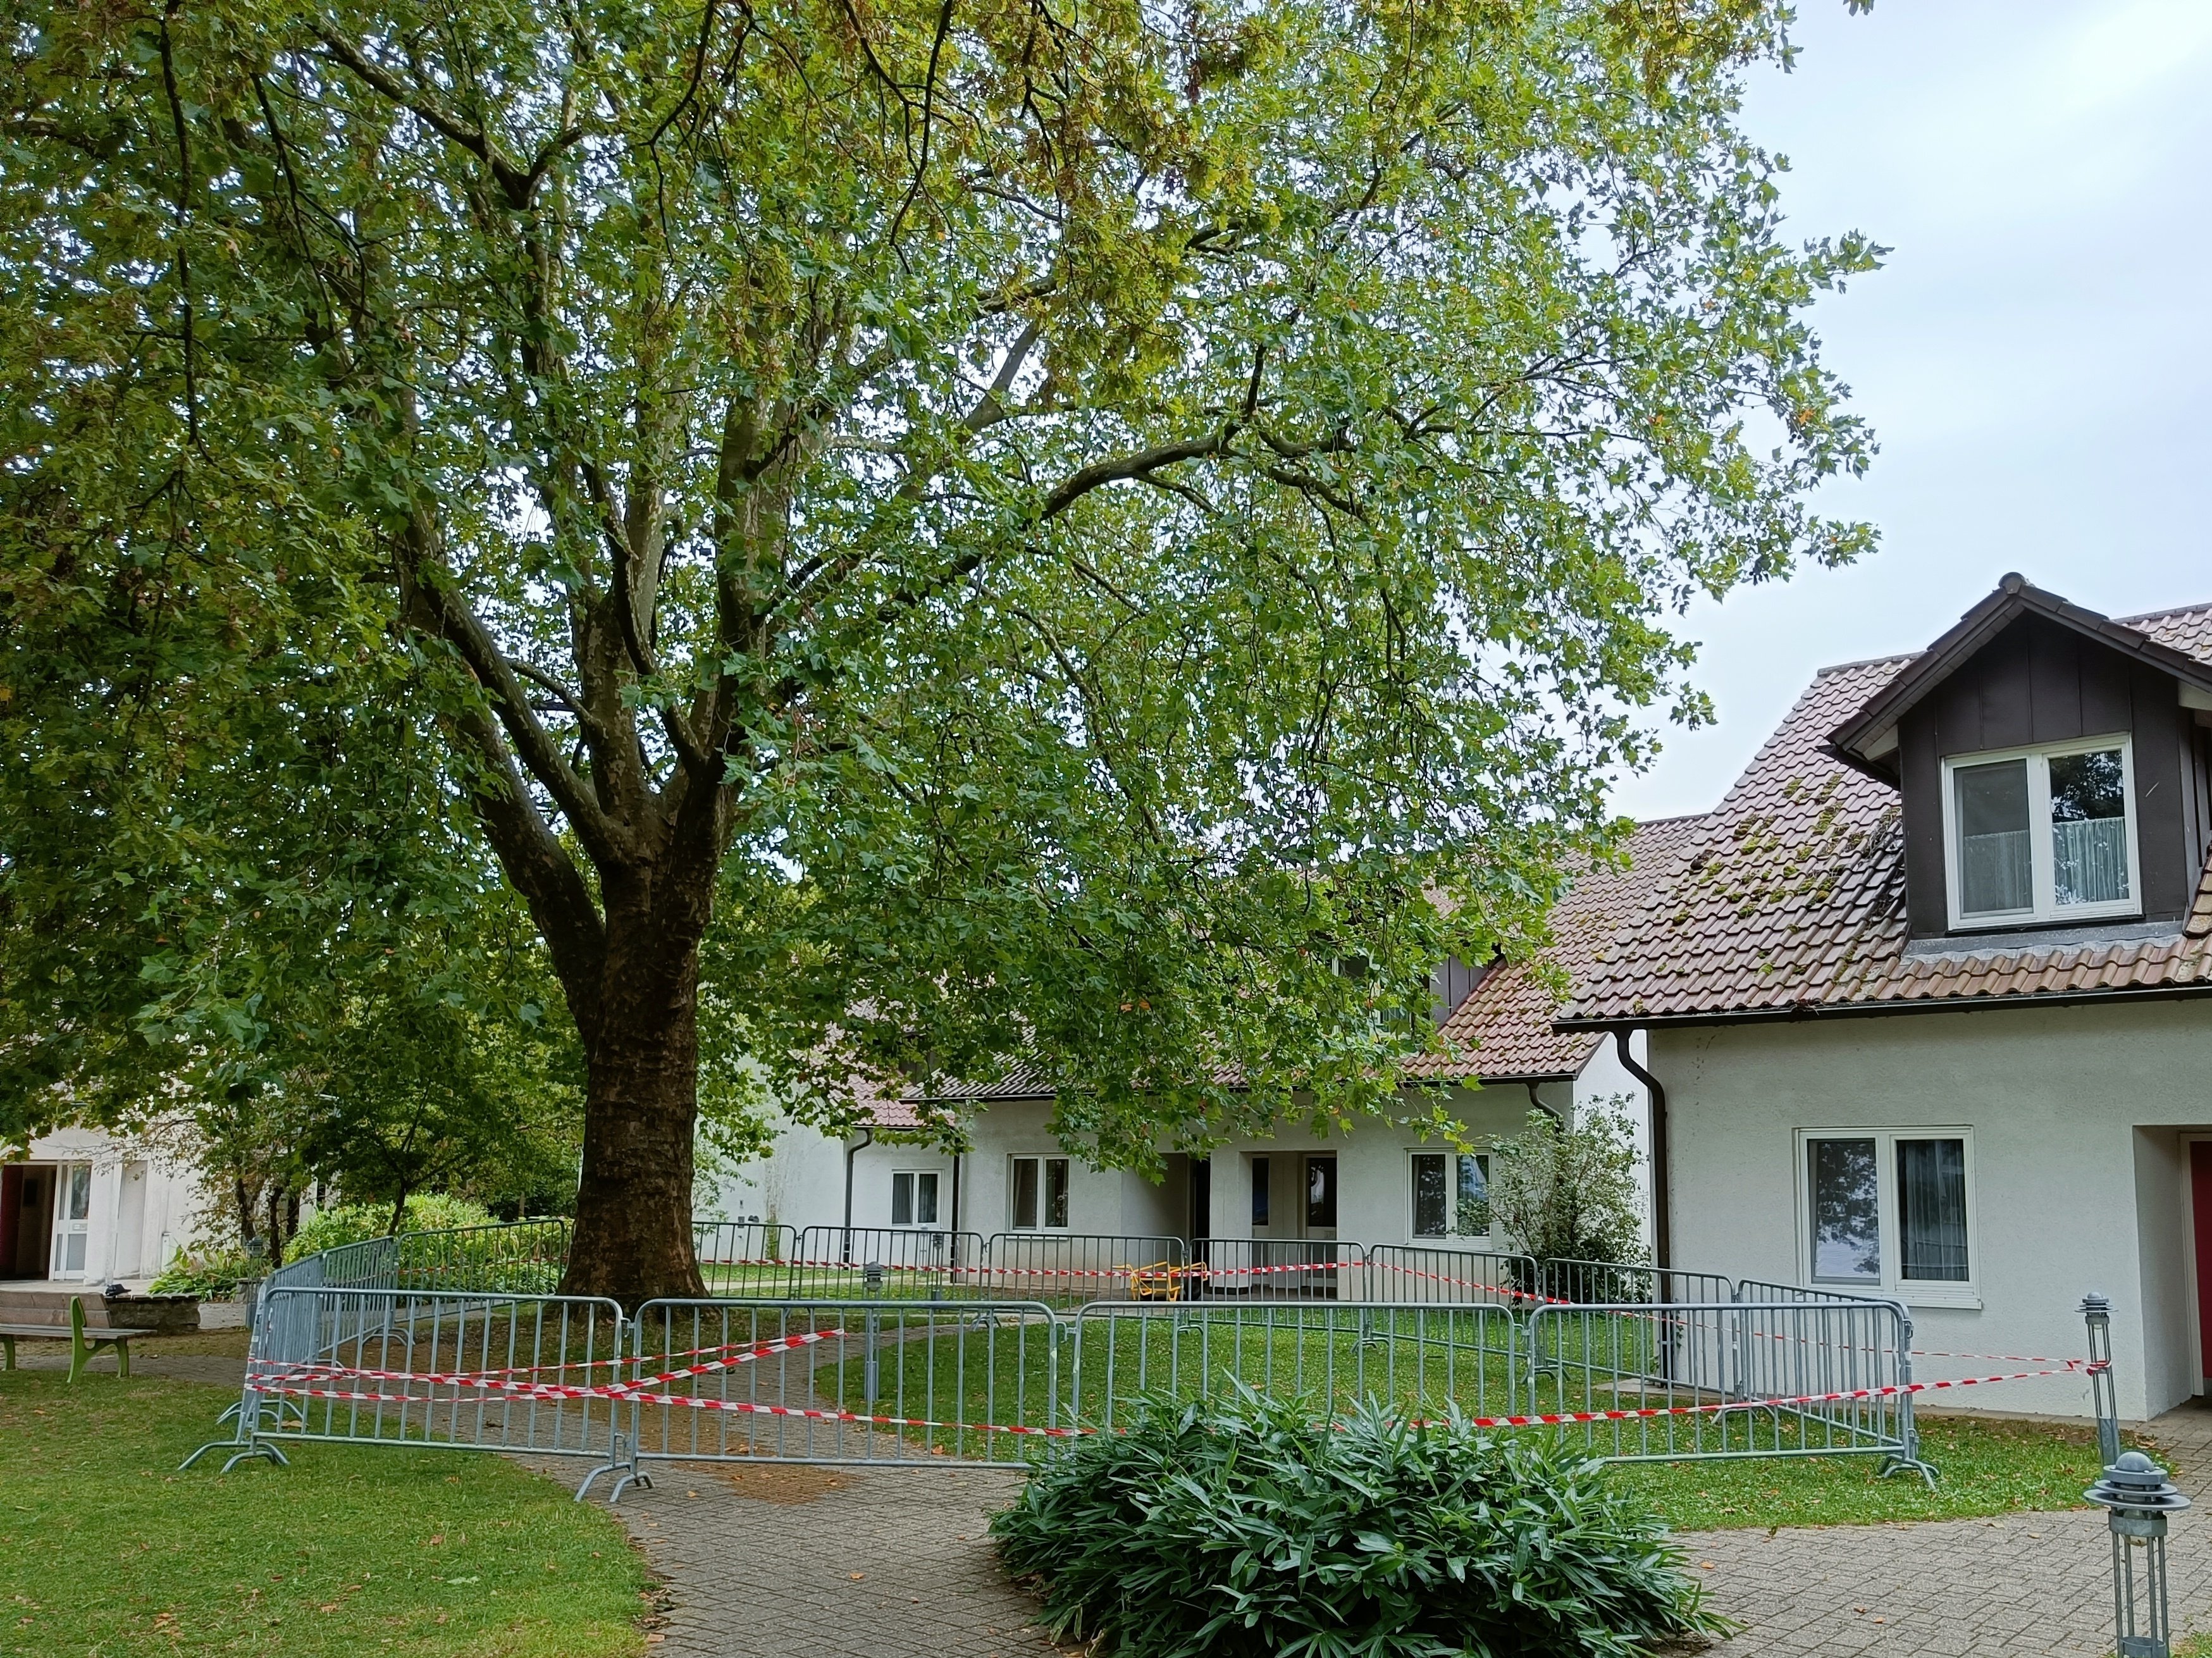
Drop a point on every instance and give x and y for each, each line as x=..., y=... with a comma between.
x=621, y=1460
x=212, y=1445
x=258, y=1449
x=1896, y=1464
x=240, y=1450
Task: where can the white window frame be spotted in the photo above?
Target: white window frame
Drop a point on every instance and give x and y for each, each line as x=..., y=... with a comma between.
x=1914, y=1292
x=1449, y=1238
x=917, y=1176
x=2046, y=909
x=1043, y=1194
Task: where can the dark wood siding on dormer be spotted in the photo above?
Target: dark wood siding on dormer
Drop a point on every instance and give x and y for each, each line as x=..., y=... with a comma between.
x=1452, y=984
x=2037, y=682
x=2196, y=786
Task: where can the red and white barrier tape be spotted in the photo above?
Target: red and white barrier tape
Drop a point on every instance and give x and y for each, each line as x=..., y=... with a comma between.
x=629, y=1393
x=271, y=1380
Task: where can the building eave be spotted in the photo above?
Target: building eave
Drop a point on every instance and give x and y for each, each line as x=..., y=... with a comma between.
x=1807, y=1012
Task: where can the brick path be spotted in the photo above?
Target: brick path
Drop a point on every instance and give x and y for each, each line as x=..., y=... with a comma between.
x=783, y=1561
x=762, y=1564
x=2037, y=1583
x=780, y=1561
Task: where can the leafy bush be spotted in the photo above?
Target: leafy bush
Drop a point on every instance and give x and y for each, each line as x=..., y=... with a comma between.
x=1571, y=1194
x=520, y=1258
x=212, y=1275
x=1245, y=1528
x=354, y=1223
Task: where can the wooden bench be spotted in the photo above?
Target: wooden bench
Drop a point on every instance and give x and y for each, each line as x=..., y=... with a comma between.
x=83, y=1341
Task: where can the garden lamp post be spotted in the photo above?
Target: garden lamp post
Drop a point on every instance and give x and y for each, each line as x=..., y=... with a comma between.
x=2097, y=1314
x=2137, y=1496
x=871, y=1281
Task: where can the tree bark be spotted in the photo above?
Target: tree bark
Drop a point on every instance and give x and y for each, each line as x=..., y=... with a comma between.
x=633, y=1235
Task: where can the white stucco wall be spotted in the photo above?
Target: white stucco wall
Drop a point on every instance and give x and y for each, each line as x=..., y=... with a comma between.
x=143, y=1208
x=1373, y=1177
x=799, y=1183
x=2077, y=1172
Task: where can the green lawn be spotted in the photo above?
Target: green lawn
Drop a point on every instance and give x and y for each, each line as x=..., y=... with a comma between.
x=1987, y=1467
x=1422, y=1360
x=106, y=1549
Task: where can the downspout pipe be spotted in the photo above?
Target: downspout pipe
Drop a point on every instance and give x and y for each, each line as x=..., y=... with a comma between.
x=1662, y=1226
x=955, y=1251
x=845, y=1242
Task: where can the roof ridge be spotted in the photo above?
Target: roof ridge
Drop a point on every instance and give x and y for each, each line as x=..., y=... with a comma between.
x=1868, y=662
x=2159, y=616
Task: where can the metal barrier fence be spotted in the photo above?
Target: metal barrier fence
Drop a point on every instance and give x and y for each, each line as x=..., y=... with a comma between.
x=884, y=1382
x=1066, y=1269
x=1563, y=1278
x=878, y=1263
x=745, y=1257
x=880, y=1345
x=1267, y=1269
x=1413, y=1272
x=446, y=1369
x=1425, y=1359
x=1670, y=1381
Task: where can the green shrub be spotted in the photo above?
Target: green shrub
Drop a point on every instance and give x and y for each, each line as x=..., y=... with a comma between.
x=1244, y=1527
x=212, y=1275
x=354, y=1223
x=1571, y=1194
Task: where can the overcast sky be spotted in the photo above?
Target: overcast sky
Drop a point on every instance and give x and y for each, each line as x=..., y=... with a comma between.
x=2035, y=354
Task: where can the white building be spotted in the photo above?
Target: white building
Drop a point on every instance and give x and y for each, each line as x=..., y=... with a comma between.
x=1925, y=1000
x=85, y=1207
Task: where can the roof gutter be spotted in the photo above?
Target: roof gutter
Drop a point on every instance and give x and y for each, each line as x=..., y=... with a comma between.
x=1800, y=1013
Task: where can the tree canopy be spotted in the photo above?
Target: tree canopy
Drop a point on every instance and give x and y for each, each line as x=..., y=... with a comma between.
x=1072, y=534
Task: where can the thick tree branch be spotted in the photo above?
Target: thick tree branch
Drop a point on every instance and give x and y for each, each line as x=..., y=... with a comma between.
x=516, y=184
x=991, y=408
x=430, y=591
x=1126, y=468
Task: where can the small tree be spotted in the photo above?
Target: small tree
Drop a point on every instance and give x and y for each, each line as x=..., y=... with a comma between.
x=1571, y=1192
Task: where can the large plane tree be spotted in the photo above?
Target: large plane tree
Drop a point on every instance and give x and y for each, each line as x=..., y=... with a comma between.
x=1097, y=536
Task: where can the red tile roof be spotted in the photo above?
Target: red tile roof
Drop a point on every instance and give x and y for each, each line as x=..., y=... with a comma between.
x=1504, y=1030
x=1793, y=900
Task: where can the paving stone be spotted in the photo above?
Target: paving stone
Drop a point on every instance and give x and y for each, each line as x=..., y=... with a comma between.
x=786, y=1561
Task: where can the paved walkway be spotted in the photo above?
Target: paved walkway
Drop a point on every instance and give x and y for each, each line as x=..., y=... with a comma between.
x=774, y=1561
x=785, y=1560
x=2039, y=1583
x=778, y=1560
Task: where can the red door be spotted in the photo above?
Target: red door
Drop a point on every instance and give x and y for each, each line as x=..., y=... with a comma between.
x=2200, y=1202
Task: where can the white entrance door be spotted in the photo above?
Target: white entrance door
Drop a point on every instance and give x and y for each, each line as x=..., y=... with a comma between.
x=72, y=1220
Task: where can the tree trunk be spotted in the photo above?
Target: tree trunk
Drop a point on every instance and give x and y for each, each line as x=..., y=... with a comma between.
x=633, y=1237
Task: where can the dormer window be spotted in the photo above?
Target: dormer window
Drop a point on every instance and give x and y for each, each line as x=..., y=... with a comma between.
x=2041, y=834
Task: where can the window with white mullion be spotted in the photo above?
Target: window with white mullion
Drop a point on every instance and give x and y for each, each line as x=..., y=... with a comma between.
x=1038, y=1193
x=1450, y=1195
x=914, y=1198
x=1889, y=1212
x=2041, y=834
